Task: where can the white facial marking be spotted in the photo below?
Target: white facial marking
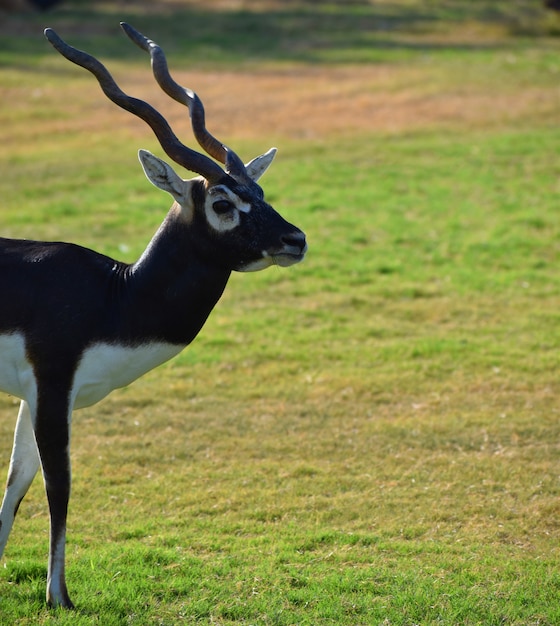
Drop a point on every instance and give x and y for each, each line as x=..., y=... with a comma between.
x=259, y=264
x=223, y=222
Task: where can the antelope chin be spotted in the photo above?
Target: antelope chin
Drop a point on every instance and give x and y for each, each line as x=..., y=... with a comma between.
x=281, y=259
x=285, y=260
x=256, y=266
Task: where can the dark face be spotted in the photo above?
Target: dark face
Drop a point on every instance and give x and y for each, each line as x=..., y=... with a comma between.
x=247, y=232
x=230, y=222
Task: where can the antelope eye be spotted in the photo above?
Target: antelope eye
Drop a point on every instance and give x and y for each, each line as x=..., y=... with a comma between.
x=222, y=206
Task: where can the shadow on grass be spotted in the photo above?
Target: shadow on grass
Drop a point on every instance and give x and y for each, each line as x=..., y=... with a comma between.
x=304, y=31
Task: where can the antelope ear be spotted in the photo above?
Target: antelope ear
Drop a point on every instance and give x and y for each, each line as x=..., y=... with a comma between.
x=162, y=175
x=258, y=166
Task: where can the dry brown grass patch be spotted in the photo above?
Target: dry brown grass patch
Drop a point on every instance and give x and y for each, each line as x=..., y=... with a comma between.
x=299, y=103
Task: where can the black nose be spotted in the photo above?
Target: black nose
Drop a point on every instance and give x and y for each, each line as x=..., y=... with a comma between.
x=295, y=240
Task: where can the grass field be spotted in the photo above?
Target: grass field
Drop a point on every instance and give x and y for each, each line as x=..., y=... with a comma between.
x=369, y=438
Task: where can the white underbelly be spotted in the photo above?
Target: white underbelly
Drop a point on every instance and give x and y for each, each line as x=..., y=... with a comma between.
x=104, y=367
x=16, y=372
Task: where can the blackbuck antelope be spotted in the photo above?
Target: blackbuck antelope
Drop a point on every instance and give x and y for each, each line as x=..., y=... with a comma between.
x=75, y=324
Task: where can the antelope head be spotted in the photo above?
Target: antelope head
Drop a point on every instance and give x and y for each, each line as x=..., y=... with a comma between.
x=224, y=207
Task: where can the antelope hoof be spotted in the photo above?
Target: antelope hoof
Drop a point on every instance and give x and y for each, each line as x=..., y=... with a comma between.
x=63, y=601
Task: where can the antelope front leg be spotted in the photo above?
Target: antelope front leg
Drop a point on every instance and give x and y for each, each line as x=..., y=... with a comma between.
x=52, y=433
x=23, y=467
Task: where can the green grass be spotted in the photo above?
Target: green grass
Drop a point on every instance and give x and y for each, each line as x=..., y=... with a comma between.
x=368, y=438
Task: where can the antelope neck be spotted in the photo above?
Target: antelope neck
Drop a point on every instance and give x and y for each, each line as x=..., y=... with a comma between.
x=169, y=292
